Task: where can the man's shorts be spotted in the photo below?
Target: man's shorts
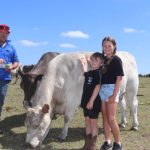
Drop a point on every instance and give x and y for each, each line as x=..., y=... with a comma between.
x=106, y=91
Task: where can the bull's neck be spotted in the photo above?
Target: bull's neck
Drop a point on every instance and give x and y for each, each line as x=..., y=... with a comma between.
x=44, y=93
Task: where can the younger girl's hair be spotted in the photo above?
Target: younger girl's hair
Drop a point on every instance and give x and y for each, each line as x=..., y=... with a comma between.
x=112, y=40
x=98, y=55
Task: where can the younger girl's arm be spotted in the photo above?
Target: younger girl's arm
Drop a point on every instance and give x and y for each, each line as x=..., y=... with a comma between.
x=93, y=97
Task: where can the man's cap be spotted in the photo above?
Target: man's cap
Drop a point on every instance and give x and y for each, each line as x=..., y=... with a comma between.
x=4, y=27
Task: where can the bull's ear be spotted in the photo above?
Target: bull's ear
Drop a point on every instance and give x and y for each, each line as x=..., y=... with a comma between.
x=45, y=108
x=84, y=64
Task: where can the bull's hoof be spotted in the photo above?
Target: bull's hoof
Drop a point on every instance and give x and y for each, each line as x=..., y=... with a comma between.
x=60, y=139
x=122, y=125
x=29, y=146
x=134, y=128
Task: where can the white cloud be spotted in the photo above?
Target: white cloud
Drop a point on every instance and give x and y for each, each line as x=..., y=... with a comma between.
x=44, y=43
x=75, y=34
x=29, y=43
x=131, y=30
x=67, y=45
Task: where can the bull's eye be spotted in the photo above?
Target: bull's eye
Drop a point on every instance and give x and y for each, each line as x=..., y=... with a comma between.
x=35, y=126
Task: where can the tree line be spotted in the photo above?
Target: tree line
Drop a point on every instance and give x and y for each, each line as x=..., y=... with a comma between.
x=145, y=75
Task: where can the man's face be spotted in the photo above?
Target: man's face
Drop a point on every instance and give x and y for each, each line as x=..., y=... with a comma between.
x=3, y=36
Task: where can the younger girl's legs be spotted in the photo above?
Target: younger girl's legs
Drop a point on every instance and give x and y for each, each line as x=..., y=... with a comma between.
x=94, y=127
x=87, y=126
x=88, y=134
x=94, y=132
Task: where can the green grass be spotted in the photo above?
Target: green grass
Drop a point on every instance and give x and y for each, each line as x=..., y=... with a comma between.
x=14, y=131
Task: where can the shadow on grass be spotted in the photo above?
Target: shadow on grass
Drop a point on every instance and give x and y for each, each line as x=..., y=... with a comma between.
x=13, y=121
x=74, y=134
x=14, y=135
x=15, y=139
x=9, y=139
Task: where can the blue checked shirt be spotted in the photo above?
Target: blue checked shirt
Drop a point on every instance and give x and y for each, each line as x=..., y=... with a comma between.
x=8, y=53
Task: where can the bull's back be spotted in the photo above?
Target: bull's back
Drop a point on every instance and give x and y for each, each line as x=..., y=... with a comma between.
x=69, y=78
x=130, y=80
x=42, y=64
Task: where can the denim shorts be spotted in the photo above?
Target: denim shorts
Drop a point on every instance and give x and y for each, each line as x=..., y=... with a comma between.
x=106, y=91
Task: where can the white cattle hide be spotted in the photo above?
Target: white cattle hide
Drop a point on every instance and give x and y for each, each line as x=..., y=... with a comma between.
x=129, y=86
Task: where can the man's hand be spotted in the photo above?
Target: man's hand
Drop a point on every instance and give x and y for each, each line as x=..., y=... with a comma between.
x=2, y=61
x=8, y=67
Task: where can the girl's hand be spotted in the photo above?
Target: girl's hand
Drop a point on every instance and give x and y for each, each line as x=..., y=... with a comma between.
x=112, y=99
x=89, y=105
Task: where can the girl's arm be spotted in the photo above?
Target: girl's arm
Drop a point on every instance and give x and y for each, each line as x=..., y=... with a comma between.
x=116, y=89
x=93, y=97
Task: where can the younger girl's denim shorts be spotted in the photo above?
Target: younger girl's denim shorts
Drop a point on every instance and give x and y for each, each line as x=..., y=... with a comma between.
x=106, y=91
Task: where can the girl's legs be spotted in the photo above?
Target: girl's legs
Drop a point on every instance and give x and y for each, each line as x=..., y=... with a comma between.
x=107, y=130
x=88, y=133
x=94, y=131
x=87, y=126
x=94, y=127
x=111, y=118
x=91, y=126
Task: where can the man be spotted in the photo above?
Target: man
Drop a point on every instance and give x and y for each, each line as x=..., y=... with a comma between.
x=8, y=61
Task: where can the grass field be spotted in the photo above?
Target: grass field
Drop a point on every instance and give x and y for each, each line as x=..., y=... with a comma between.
x=12, y=124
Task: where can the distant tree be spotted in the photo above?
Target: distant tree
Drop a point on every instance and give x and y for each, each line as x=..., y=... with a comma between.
x=147, y=75
x=144, y=75
x=140, y=75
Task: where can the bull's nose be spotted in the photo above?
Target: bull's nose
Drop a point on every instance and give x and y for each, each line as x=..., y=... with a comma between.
x=35, y=142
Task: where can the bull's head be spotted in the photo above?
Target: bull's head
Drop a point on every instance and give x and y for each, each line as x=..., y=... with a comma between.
x=38, y=124
x=29, y=83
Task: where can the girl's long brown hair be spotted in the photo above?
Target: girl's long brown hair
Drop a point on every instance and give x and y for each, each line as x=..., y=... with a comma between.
x=108, y=38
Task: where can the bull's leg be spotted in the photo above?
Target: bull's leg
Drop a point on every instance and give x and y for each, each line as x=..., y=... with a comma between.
x=122, y=105
x=64, y=132
x=134, y=105
x=67, y=118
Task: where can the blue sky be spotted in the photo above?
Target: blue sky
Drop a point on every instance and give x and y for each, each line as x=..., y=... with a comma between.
x=39, y=26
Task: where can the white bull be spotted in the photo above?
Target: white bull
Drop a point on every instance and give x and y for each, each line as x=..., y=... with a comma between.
x=129, y=87
x=60, y=93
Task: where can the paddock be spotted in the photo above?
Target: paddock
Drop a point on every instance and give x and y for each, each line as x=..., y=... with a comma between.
x=13, y=117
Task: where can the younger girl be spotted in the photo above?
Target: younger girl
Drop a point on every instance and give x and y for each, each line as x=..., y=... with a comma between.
x=91, y=101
